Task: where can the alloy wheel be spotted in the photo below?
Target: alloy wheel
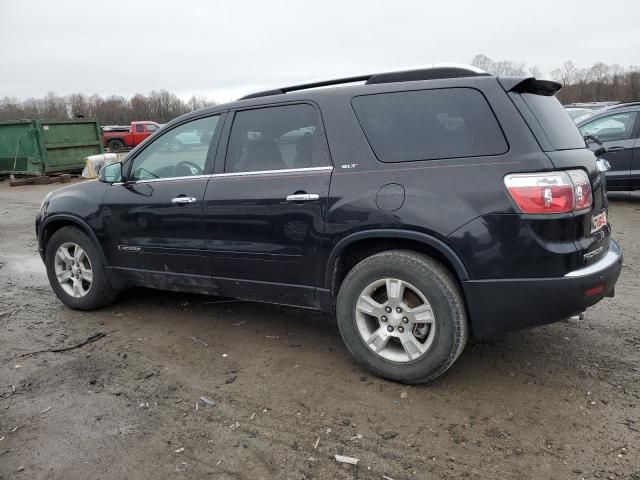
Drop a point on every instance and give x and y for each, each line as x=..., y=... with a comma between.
x=395, y=320
x=73, y=269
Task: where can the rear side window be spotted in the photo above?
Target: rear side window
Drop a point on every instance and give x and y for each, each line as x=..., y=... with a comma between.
x=276, y=138
x=429, y=124
x=557, y=126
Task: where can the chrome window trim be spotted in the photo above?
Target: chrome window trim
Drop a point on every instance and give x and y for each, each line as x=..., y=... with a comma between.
x=234, y=174
x=273, y=172
x=168, y=179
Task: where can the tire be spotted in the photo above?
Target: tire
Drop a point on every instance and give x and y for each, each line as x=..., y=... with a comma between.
x=439, y=340
x=92, y=295
x=115, y=146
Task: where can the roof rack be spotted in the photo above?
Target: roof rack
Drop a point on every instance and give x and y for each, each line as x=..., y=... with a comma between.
x=433, y=72
x=622, y=105
x=592, y=104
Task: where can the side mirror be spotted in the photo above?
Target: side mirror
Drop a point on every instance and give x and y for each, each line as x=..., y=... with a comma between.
x=592, y=139
x=111, y=173
x=601, y=150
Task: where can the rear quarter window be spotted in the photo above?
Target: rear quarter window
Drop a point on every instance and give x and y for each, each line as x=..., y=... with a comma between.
x=557, y=126
x=429, y=124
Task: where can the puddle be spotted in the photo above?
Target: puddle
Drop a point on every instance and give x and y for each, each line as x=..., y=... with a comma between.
x=23, y=269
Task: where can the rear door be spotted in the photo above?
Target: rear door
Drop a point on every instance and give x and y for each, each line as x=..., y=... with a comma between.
x=618, y=134
x=265, y=207
x=153, y=221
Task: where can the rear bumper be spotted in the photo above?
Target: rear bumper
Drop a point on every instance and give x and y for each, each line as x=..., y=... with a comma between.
x=497, y=306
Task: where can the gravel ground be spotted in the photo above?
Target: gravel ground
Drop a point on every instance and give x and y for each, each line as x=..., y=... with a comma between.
x=556, y=402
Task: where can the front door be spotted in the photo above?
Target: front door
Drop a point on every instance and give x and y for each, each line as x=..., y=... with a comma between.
x=635, y=162
x=264, y=212
x=153, y=220
x=617, y=133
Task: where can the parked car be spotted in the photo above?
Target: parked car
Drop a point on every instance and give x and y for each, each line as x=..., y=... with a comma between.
x=592, y=105
x=416, y=208
x=118, y=138
x=579, y=114
x=617, y=128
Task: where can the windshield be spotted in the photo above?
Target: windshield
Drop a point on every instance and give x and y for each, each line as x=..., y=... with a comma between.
x=557, y=126
x=577, y=112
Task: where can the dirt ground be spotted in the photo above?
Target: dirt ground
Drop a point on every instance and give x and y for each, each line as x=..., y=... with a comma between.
x=556, y=402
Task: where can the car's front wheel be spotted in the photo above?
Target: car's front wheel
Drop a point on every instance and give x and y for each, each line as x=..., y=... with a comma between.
x=76, y=272
x=402, y=316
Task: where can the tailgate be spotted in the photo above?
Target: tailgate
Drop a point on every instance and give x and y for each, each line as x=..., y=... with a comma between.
x=592, y=241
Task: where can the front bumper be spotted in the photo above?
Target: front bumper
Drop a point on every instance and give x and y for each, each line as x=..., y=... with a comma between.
x=497, y=306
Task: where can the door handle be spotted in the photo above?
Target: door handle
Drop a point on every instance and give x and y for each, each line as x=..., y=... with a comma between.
x=302, y=197
x=183, y=200
x=616, y=148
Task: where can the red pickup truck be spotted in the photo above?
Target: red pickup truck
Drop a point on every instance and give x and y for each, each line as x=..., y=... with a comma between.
x=117, y=138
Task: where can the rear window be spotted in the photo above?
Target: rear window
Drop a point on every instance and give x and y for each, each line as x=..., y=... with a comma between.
x=429, y=125
x=557, y=126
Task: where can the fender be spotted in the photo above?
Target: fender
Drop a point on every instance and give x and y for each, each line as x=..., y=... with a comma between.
x=84, y=226
x=429, y=240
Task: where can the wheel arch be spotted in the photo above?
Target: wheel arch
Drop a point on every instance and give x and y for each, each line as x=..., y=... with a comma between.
x=357, y=246
x=58, y=221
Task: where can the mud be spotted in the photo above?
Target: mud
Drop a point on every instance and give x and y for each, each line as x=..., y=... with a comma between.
x=556, y=402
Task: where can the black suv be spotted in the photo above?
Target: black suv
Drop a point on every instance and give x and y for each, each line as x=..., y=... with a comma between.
x=617, y=129
x=417, y=207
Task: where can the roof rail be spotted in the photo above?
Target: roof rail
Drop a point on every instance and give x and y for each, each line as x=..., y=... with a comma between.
x=435, y=71
x=306, y=86
x=622, y=105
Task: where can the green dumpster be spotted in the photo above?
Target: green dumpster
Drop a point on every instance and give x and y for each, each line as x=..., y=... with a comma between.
x=40, y=147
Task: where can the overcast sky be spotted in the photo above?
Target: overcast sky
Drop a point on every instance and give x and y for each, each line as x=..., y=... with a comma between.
x=223, y=49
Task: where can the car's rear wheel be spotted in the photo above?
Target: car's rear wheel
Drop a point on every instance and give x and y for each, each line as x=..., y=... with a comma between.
x=115, y=146
x=402, y=316
x=76, y=272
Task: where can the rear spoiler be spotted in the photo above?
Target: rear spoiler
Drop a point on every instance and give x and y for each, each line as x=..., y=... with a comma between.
x=530, y=85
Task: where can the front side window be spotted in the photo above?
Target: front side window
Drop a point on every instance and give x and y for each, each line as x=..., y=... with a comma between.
x=612, y=127
x=180, y=152
x=139, y=127
x=276, y=138
x=429, y=124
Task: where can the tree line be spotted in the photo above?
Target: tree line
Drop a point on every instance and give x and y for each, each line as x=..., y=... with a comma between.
x=599, y=82
x=160, y=106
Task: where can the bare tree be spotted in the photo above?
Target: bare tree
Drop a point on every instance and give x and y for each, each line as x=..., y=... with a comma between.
x=160, y=106
x=598, y=82
x=504, y=68
x=483, y=62
x=535, y=71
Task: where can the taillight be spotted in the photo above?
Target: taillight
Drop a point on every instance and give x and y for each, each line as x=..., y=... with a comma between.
x=581, y=189
x=550, y=192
